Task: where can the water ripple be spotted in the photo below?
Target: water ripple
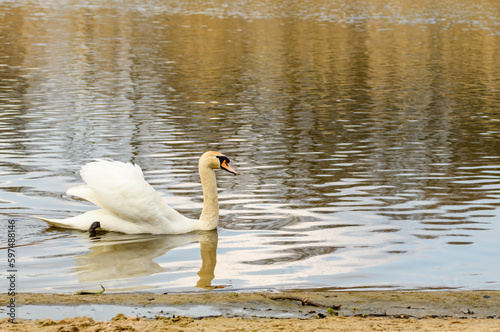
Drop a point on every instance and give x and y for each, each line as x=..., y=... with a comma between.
x=358, y=152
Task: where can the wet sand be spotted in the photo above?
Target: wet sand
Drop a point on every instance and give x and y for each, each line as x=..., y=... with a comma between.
x=307, y=311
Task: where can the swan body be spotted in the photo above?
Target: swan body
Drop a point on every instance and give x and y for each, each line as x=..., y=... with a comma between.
x=128, y=204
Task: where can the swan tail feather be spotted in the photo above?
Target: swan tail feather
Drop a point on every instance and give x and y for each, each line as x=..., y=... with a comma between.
x=65, y=223
x=108, y=220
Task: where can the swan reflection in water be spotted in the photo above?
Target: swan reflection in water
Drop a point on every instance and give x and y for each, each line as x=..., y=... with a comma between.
x=116, y=256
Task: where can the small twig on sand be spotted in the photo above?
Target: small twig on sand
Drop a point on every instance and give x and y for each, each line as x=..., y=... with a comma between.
x=92, y=293
x=304, y=301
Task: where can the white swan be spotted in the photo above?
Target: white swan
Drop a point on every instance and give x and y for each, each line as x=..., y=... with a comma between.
x=128, y=204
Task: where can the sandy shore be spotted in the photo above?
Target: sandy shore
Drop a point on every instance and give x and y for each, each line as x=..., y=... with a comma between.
x=306, y=311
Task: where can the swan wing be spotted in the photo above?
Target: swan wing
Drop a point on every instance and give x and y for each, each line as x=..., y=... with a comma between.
x=86, y=193
x=120, y=189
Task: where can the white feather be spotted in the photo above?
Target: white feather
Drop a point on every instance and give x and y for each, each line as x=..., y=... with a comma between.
x=129, y=204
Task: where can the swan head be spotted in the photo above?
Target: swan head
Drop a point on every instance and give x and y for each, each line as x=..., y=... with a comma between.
x=216, y=160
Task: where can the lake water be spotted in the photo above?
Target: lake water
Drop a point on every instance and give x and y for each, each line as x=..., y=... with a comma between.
x=365, y=135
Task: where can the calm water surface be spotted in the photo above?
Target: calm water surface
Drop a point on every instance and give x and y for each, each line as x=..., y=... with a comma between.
x=365, y=134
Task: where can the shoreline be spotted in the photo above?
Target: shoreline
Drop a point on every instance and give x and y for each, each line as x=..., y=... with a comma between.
x=291, y=310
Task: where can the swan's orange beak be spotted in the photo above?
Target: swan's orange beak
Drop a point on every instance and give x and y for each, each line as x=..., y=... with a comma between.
x=225, y=166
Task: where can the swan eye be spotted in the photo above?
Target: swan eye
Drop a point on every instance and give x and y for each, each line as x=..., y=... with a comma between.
x=223, y=159
x=224, y=164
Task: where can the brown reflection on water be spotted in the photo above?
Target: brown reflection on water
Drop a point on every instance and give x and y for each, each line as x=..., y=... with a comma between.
x=369, y=115
x=411, y=97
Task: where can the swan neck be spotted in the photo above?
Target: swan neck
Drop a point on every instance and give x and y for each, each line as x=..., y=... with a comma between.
x=210, y=214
